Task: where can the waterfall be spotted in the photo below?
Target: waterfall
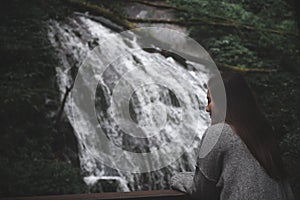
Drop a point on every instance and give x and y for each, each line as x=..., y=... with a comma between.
x=155, y=109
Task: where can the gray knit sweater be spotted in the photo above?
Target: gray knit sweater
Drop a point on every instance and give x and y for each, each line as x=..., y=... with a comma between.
x=226, y=170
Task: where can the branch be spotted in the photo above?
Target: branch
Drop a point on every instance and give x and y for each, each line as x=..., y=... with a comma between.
x=243, y=69
x=97, y=10
x=166, y=6
x=62, y=107
x=158, y=5
x=231, y=23
x=212, y=23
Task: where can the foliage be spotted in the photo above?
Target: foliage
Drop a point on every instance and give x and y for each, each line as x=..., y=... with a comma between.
x=115, y=7
x=37, y=176
x=29, y=164
x=277, y=92
x=229, y=49
x=270, y=48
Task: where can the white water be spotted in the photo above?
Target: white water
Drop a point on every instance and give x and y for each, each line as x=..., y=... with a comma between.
x=74, y=39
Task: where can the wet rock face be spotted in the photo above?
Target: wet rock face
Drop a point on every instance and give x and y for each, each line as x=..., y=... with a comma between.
x=105, y=186
x=136, y=10
x=75, y=39
x=65, y=145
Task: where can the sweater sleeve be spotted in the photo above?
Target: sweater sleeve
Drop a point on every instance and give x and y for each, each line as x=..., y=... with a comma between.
x=195, y=184
x=202, y=183
x=211, y=153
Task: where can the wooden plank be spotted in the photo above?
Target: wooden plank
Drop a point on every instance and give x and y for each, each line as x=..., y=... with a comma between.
x=139, y=195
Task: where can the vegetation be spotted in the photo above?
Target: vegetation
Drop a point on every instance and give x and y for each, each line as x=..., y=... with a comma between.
x=31, y=161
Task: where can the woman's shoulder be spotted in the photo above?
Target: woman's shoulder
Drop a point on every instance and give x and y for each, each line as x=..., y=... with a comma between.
x=219, y=137
x=223, y=133
x=221, y=127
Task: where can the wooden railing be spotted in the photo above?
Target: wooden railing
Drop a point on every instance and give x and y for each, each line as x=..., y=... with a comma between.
x=140, y=195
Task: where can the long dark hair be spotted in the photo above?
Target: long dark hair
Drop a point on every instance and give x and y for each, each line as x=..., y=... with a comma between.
x=249, y=123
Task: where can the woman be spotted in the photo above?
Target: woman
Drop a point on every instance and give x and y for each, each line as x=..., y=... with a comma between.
x=238, y=157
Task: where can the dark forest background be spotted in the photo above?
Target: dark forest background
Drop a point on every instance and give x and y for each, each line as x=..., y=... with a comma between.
x=38, y=151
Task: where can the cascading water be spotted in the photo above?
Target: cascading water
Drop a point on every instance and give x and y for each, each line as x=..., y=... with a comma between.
x=149, y=104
